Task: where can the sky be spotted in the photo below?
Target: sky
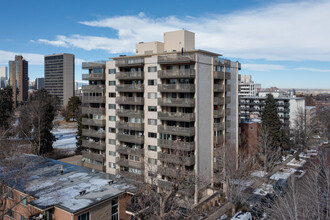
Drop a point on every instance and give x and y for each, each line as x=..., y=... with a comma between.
x=282, y=43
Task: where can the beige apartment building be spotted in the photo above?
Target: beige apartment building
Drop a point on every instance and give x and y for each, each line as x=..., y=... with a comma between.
x=168, y=109
x=59, y=76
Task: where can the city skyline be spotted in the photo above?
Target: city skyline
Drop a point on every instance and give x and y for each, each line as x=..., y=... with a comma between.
x=282, y=43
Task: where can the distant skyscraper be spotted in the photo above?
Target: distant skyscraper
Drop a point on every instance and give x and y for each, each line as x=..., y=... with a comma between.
x=18, y=79
x=59, y=76
x=3, y=77
x=39, y=83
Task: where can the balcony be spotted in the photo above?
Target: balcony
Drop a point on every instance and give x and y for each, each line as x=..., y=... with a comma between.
x=219, y=101
x=92, y=144
x=130, y=113
x=178, y=73
x=130, y=138
x=218, y=126
x=130, y=126
x=93, y=88
x=218, y=75
x=90, y=110
x=218, y=88
x=177, y=102
x=129, y=163
x=173, y=172
x=129, y=75
x=128, y=62
x=93, y=122
x=93, y=76
x=175, y=159
x=93, y=133
x=176, y=58
x=128, y=150
x=176, y=130
x=176, y=116
x=130, y=88
x=130, y=100
x=93, y=99
x=133, y=176
x=176, y=145
x=182, y=88
x=93, y=156
x=218, y=113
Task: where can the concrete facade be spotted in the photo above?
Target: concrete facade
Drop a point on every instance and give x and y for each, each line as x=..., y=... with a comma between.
x=3, y=77
x=59, y=76
x=19, y=79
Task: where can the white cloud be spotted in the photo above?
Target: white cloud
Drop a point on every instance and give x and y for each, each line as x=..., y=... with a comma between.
x=32, y=58
x=262, y=67
x=284, y=31
x=314, y=70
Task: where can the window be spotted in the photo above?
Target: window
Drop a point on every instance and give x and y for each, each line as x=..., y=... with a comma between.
x=23, y=217
x=132, y=157
x=152, y=108
x=133, y=170
x=112, y=71
x=152, y=135
x=114, y=209
x=152, y=122
x=10, y=213
x=152, y=69
x=112, y=130
x=152, y=161
x=112, y=141
x=112, y=153
x=112, y=118
x=112, y=83
x=23, y=200
x=152, y=147
x=112, y=94
x=152, y=82
x=112, y=165
x=152, y=95
x=112, y=106
x=84, y=216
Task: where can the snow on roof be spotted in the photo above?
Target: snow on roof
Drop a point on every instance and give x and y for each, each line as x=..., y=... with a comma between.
x=259, y=173
x=296, y=163
x=284, y=173
x=66, y=191
x=264, y=189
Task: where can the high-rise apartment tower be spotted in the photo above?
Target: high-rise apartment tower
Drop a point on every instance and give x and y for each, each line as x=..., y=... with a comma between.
x=19, y=79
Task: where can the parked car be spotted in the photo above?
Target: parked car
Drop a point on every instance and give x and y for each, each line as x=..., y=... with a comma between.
x=280, y=186
x=242, y=215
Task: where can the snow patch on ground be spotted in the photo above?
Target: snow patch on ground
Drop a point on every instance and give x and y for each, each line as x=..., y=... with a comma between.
x=66, y=138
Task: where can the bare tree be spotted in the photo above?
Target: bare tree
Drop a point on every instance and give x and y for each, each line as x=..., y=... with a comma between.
x=301, y=130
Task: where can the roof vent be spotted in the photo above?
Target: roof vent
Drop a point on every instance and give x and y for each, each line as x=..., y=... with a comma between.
x=122, y=55
x=61, y=170
x=110, y=182
x=82, y=192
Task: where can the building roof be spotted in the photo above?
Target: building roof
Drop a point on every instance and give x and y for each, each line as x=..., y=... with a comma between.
x=76, y=189
x=276, y=98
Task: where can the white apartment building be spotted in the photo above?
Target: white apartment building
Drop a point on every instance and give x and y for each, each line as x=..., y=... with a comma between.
x=247, y=87
x=168, y=109
x=288, y=106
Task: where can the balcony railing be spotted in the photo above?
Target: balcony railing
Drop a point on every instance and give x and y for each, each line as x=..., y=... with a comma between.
x=183, y=102
x=130, y=88
x=93, y=76
x=219, y=101
x=178, y=73
x=218, y=126
x=132, y=176
x=218, y=88
x=176, y=58
x=94, y=145
x=129, y=163
x=175, y=159
x=93, y=133
x=176, y=88
x=94, y=156
x=219, y=75
x=130, y=126
x=130, y=138
x=129, y=62
x=90, y=110
x=176, y=145
x=93, y=99
x=93, y=64
x=93, y=88
x=93, y=122
x=129, y=113
x=128, y=150
x=218, y=113
x=130, y=75
x=130, y=100
x=176, y=130
x=176, y=116
x=173, y=172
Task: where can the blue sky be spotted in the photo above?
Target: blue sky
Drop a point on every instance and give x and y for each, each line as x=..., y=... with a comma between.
x=280, y=43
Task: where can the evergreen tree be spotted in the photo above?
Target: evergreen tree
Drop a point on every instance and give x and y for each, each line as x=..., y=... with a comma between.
x=79, y=136
x=271, y=121
x=6, y=107
x=72, y=109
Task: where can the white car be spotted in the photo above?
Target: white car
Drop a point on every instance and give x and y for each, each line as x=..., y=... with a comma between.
x=326, y=142
x=242, y=215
